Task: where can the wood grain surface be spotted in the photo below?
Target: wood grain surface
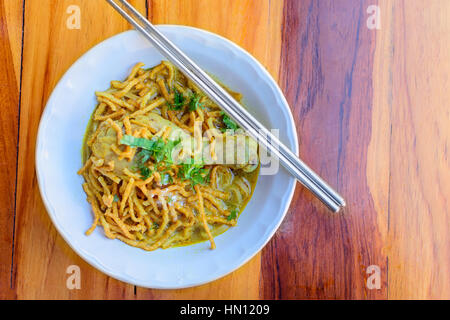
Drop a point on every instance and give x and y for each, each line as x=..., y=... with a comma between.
x=372, y=114
x=10, y=54
x=331, y=54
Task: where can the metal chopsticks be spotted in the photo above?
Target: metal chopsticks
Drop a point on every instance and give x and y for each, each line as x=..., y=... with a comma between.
x=264, y=137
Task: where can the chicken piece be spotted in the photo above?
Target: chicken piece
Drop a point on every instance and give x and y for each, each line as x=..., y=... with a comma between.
x=238, y=151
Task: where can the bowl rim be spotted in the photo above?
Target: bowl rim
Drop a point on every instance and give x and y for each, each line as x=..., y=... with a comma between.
x=50, y=211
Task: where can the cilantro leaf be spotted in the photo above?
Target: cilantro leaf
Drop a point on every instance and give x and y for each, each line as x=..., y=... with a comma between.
x=142, y=157
x=194, y=102
x=194, y=172
x=178, y=100
x=168, y=149
x=232, y=215
x=145, y=172
x=228, y=122
x=155, y=148
x=138, y=142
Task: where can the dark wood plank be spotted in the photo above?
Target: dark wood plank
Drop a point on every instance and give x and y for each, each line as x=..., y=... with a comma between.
x=10, y=57
x=326, y=65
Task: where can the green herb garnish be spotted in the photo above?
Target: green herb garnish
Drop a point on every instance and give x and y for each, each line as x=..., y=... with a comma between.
x=145, y=172
x=138, y=142
x=157, y=149
x=232, y=215
x=116, y=198
x=228, y=122
x=194, y=102
x=178, y=100
x=196, y=173
x=166, y=152
x=142, y=157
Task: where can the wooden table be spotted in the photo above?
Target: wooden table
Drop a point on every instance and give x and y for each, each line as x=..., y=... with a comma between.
x=372, y=112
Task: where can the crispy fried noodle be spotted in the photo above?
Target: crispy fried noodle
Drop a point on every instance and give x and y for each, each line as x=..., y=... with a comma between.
x=161, y=162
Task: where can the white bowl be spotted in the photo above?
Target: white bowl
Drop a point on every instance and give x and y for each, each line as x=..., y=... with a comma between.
x=58, y=157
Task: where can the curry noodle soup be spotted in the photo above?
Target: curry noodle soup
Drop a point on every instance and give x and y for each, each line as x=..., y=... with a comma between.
x=163, y=166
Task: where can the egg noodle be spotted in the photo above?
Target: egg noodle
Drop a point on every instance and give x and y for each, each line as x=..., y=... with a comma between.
x=138, y=193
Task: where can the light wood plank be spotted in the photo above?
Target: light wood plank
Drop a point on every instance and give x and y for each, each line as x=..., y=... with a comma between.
x=253, y=25
x=10, y=57
x=418, y=237
x=13, y=12
x=41, y=255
